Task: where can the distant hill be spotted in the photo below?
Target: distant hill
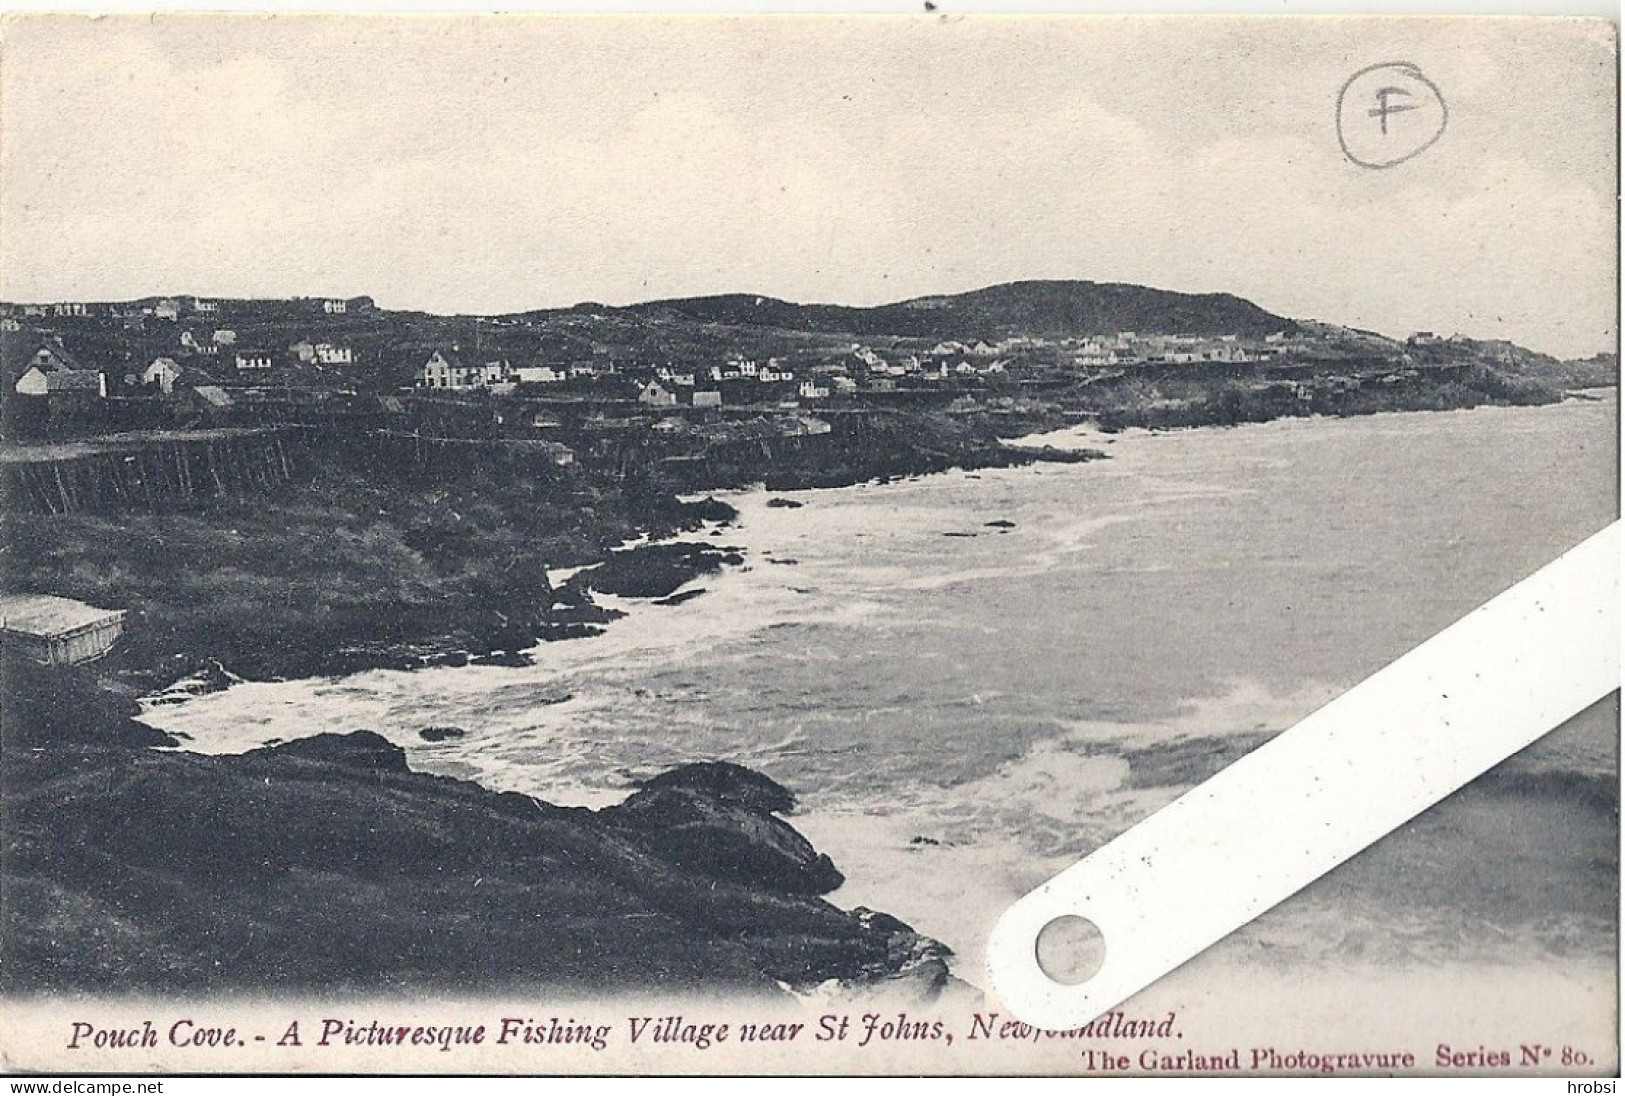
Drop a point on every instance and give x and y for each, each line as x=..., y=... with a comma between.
x=1052, y=309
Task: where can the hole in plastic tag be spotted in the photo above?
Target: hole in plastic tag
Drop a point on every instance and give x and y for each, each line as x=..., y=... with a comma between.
x=1070, y=950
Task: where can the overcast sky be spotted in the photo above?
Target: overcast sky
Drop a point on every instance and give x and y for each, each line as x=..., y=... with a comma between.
x=487, y=165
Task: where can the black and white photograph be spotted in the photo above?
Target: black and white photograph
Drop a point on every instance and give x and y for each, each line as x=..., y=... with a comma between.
x=583, y=543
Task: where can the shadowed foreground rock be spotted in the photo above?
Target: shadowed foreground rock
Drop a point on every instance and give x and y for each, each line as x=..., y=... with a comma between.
x=327, y=864
x=717, y=819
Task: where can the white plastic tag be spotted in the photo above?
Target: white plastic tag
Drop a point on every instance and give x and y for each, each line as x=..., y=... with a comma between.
x=1290, y=811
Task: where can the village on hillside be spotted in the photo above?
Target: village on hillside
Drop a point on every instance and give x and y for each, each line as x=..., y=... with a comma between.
x=593, y=382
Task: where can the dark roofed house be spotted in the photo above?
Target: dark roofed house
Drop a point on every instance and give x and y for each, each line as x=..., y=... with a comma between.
x=52, y=369
x=213, y=395
x=178, y=382
x=57, y=631
x=211, y=402
x=86, y=381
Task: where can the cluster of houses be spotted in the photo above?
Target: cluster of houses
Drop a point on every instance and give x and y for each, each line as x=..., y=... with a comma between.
x=661, y=386
x=936, y=364
x=174, y=309
x=204, y=382
x=1428, y=338
x=458, y=368
x=220, y=357
x=735, y=380
x=1130, y=348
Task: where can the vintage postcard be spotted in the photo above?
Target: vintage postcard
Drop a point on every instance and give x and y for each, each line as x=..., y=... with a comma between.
x=566, y=544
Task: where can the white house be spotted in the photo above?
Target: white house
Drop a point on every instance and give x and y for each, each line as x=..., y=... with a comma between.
x=207, y=308
x=50, y=369
x=449, y=369
x=812, y=390
x=540, y=374
x=167, y=309
x=707, y=399
x=775, y=372
x=654, y=394
x=333, y=354
x=801, y=426
x=192, y=343
x=163, y=372
x=254, y=359
x=335, y=307
x=440, y=372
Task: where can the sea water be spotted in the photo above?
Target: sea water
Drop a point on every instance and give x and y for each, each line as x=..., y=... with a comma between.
x=970, y=680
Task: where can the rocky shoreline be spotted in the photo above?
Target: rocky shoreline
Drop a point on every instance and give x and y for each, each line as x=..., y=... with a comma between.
x=355, y=566
x=327, y=864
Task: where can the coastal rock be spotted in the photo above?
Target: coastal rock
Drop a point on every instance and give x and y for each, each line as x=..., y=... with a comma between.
x=710, y=509
x=51, y=706
x=1048, y=454
x=582, y=612
x=784, y=504
x=441, y=734
x=916, y=966
x=717, y=819
x=503, y=658
x=356, y=750
x=727, y=783
x=328, y=865
x=657, y=570
x=554, y=632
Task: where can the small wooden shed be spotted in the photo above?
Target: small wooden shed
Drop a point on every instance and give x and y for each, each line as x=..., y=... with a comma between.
x=57, y=631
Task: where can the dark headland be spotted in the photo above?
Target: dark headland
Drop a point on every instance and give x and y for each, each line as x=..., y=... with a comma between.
x=326, y=864
x=317, y=486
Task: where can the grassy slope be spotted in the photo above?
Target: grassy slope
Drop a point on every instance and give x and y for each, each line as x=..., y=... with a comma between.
x=340, y=569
